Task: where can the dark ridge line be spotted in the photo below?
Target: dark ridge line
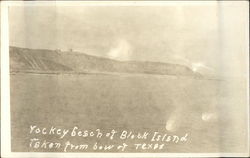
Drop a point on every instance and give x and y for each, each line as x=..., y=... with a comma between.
x=83, y=53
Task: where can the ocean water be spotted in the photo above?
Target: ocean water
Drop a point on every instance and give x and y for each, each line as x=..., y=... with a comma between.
x=212, y=112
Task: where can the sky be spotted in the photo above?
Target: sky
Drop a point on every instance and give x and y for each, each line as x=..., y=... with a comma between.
x=210, y=38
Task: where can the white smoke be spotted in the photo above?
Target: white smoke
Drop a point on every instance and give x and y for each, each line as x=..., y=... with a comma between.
x=195, y=66
x=121, y=51
x=198, y=66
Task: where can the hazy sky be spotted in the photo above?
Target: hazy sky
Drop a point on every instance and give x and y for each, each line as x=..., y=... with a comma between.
x=208, y=36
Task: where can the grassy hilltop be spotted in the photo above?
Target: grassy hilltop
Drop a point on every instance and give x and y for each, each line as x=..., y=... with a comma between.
x=49, y=61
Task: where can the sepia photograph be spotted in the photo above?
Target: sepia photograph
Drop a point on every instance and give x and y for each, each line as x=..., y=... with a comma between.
x=135, y=78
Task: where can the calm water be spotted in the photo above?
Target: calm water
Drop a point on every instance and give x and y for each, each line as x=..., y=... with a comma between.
x=131, y=102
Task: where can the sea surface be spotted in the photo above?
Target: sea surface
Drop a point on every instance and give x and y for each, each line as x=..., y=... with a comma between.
x=212, y=112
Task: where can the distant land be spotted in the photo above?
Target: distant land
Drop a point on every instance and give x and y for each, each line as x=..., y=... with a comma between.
x=56, y=61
